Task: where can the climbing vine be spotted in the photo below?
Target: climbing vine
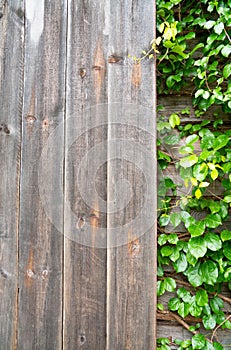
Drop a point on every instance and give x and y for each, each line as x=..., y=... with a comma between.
x=193, y=50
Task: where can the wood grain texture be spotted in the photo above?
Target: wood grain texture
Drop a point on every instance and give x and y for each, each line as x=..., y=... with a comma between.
x=84, y=261
x=11, y=84
x=40, y=243
x=131, y=254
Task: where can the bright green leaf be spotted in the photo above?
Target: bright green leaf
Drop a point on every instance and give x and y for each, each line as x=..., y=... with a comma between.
x=209, y=272
x=227, y=70
x=188, y=161
x=198, y=341
x=197, y=246
x=202, y=297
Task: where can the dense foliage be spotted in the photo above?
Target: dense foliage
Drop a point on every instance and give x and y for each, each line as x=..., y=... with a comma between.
x=193, y=50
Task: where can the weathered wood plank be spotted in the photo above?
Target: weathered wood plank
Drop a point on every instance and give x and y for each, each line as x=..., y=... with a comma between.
x=131, y=157
x=11, y=84
x=85, y=252
x=40, y=242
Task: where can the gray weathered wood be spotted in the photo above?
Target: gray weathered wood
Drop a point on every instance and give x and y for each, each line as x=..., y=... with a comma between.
x=40, y=243
x=11, y=84
x=131, y=250
x=84, y=261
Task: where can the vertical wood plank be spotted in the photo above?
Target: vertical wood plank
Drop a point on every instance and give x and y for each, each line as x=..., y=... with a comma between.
x=131, y=273
x=11, y=84
x=40, y=242
x=84, y=260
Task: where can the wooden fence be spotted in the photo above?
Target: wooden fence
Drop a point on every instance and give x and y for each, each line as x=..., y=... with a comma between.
x=77, y=248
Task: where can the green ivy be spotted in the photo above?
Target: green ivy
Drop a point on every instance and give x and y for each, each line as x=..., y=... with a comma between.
x=193, y=51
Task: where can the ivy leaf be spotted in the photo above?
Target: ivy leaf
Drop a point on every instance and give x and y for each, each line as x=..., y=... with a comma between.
x=220, y=142
x=218, y=28
x=174, y=304
x=181, y=264
x=164, y=220
x=214, y=174
x=160, y=288
x=226, y=235
x=191, y=259
x=227, y=199
x=175, y=219
x=197, y=246
x=198, y=341
x=174, y=120
x=160, y=271
x=227, y=249
x=200, y=171
x=160, y=306
x=167, y=250
x=169, y=284
x=198, y=193
x=162, y=239
x=189, y=161
x=173, y=238
x=227, y=70
x=197, y=229
x=202, y=297
x=209, y=24
x=191, y=139
x=209, y=321
x=194, y=276
x=226, y=51
x=208, y=346
x=216, y=304
x=213, y=241
x=214, y=206
x=184, y=294
x=183, y=309
x=209, y=272
x=217, y=346
x=195, y=310
x=213, y=220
